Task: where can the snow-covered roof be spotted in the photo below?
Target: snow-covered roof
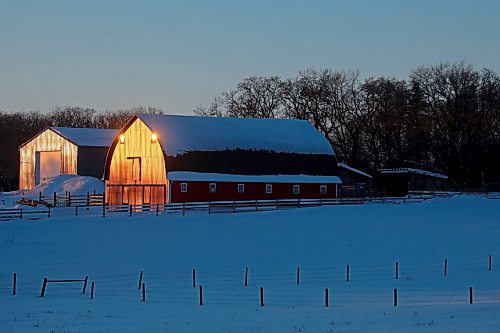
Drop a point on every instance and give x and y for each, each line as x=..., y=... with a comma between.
x=181, y=134
x=219, y=177
x=412, y=170
x=350, y=168
x=88, y=137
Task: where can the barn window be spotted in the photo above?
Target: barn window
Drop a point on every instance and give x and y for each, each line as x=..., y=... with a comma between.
x=296, y=189
x=269, y=188
x=241, y=188
x=212, y=187
x=184, y=187
x=134, y=168
x=322, y=189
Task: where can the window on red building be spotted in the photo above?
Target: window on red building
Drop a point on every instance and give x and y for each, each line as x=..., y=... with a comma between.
x=212, y=187
x=241, y=188
x=296, y=189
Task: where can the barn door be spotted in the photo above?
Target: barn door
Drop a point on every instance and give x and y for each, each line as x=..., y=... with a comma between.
x=47, y=165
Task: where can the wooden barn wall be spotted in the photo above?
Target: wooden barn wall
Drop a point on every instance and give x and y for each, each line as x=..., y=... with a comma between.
x=137, y=144
x=45, y=141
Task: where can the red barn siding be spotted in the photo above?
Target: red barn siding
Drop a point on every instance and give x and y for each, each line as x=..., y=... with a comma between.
x=199, y=191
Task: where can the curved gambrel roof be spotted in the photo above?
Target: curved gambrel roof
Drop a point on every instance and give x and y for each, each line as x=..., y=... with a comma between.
x=181, y=134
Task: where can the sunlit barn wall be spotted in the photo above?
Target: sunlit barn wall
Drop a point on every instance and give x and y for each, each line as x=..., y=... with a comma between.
x=48, y=140
x=137, y=144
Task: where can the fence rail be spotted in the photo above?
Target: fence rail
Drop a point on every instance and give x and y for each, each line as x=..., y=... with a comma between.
x=7, y=214
x=98, y=201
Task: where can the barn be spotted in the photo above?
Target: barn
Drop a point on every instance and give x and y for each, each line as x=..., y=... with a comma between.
x=170, y=158
x=63, y=150
x=355, y=183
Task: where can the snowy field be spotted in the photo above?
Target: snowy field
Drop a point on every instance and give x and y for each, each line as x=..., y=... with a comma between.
x=322, y=241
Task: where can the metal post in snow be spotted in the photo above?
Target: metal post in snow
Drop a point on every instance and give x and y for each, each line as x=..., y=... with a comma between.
x=140, y=280
x=85, y=284
x=44, y=286
x=246, y=277
x=326, y=297
x=14, y=283
x=92, y=290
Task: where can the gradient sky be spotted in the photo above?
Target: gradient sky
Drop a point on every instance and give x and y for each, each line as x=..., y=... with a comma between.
x=178, y=54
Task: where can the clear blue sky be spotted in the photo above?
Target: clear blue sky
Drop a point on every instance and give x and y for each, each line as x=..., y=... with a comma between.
x=178, y=54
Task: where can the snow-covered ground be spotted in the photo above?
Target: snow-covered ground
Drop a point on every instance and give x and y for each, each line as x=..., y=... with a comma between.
x=370, y=238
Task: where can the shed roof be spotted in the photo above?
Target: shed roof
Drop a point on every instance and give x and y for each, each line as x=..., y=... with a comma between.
x=181, y=134
x=350, y=168
x=413, y=170
x=87, y=137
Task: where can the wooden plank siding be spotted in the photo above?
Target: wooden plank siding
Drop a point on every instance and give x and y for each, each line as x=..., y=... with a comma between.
x=137, y=171
x=48, y=140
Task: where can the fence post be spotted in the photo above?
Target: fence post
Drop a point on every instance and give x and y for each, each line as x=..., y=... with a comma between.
x=347, y=273
x=69, y=199
x=234, y=206
x=184, y=208
x=76, y=210
x=143, y=292
x=209, y=208
x=21, y=214
x=326, y=297
x=298, y=202
x=261, y=296
x=48, y=214
x=298, y=275
x=194, y=278
x=256, y=205
x=246, y=276
x=277, y=204
x=397, y=270
x=445, y=267
x=85, y=284
x=55, y=199
x=88, y=199
x=201, y=295
x=140, y=280
x=92, y=290
x=130, y=210
x=40, y=196
x=44, y=285
x=489, y=262
x=157, y=209
x=395, y=297
x=14, y=285
x=103, y=204
x=470, y=295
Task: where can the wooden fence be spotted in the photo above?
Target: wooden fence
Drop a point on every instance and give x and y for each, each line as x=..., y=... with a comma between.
x=7, y=214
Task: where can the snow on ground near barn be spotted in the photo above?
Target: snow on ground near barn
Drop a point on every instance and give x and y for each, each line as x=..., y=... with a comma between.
x=370, y=238
x=76, y=185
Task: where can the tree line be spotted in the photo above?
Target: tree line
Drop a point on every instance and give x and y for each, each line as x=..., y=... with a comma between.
x=444, y=117
x=18, y=127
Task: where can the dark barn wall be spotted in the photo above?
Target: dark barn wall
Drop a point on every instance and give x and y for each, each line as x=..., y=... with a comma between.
x=91, y=161
x=199, y=191
x=253, y=162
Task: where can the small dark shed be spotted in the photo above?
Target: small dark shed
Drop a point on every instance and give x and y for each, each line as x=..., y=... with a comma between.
x=401, y=181
x=355, y=183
